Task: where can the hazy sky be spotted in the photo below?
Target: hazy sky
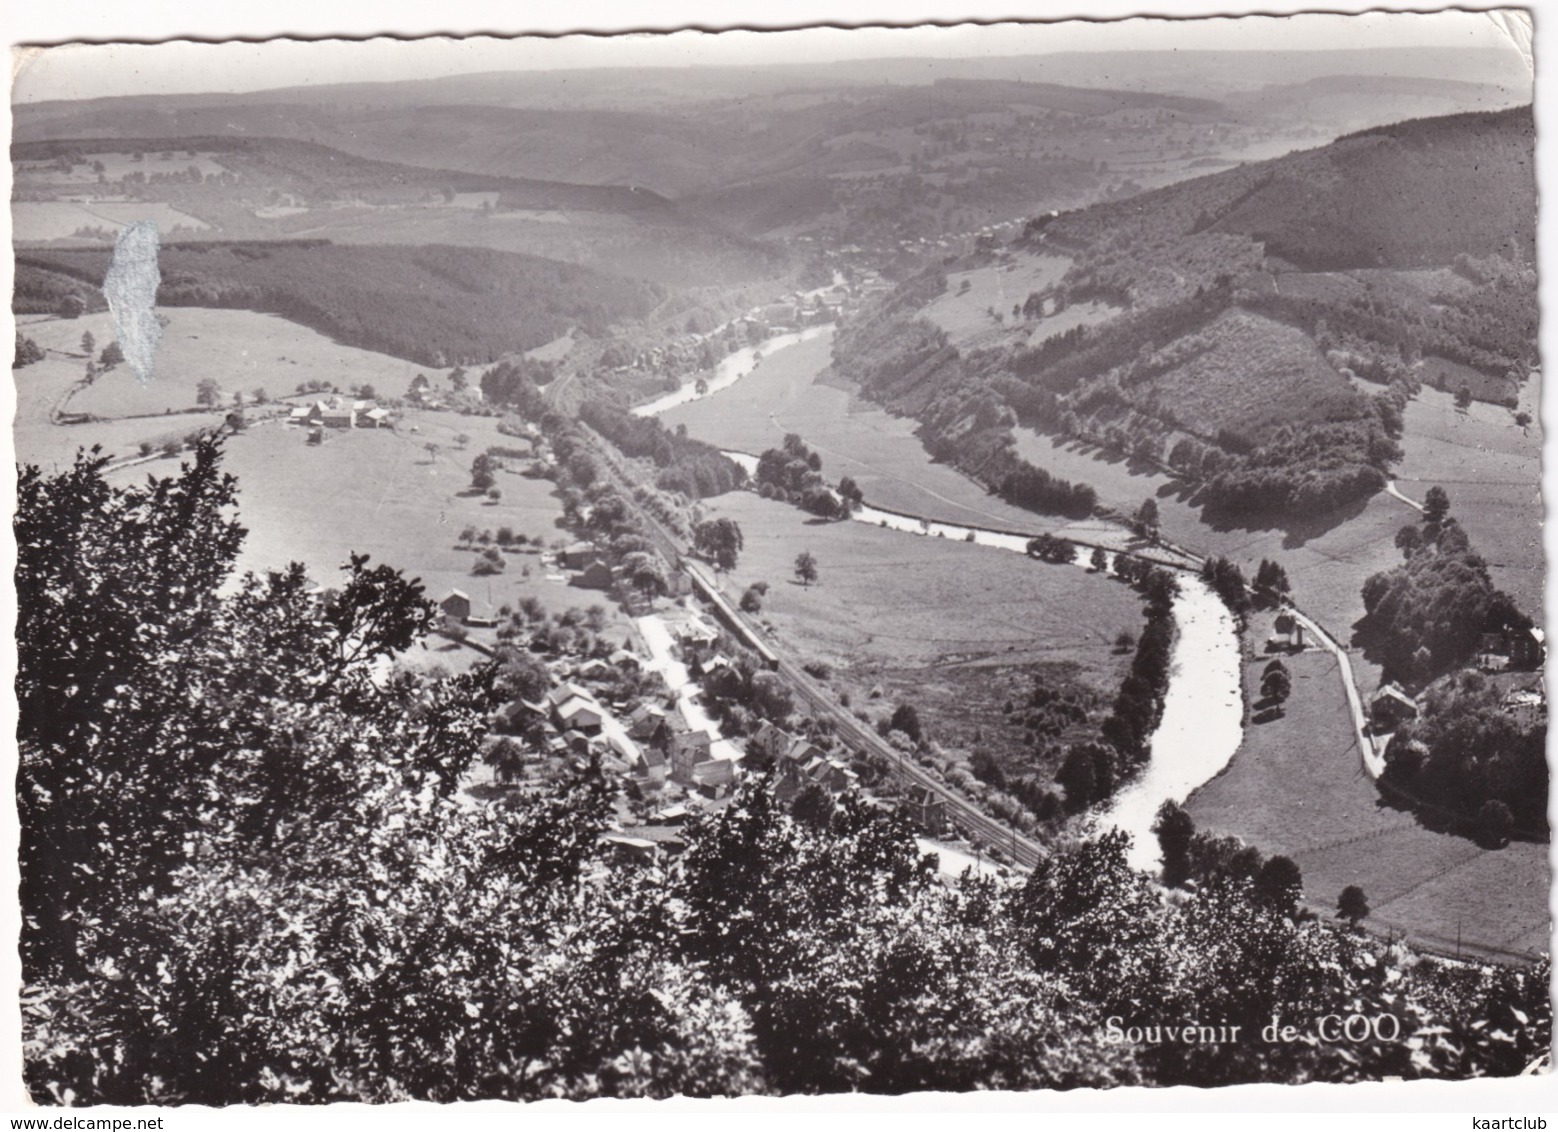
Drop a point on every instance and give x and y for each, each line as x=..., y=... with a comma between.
x=87, y=71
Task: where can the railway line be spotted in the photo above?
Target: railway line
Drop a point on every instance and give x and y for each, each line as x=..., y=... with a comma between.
x=966, y=817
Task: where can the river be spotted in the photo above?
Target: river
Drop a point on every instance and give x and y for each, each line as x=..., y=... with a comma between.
x=1203, y=711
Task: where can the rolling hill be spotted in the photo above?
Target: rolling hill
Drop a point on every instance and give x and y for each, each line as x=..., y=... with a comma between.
x=1274, y=321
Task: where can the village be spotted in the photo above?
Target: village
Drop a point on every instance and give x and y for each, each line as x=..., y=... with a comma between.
x=644, y=720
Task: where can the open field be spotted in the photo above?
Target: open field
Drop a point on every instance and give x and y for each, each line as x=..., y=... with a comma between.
x=380, y=493
x=1297, y=787
x=892, y=599
x=965, y=314
x=853, y=437
x=59, y=219
x=1492, y=470
x=243, y=351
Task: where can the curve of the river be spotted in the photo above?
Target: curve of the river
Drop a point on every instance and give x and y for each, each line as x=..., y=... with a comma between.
x=1203, y=711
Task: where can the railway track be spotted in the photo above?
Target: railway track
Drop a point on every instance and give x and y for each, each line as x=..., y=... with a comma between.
x=966, y=817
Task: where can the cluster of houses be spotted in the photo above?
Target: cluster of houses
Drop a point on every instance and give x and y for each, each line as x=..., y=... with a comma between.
x=1508, y=651
x=340, y=413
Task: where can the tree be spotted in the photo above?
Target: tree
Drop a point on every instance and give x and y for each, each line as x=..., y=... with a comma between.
x=907, y=720
x=27, y=352
x=850, y=492
x=806, y=568
x=1352, y=905
x=718, y=540
x=88, y=343
x=111, y=356
x=1495, y=822
x=1463, y=397
x=1522, y=419
x=261, y=395
x=1279, y=884
x=1147, y=518
x=461, y=440
x=70, y=306
x=1175, y=831
x=483, y=470
x=208, y=393
x=1124, y=641
x=751, y=600
x=457, y=381
x=1099, y=561
x=1436, y=505
x=1276, y=686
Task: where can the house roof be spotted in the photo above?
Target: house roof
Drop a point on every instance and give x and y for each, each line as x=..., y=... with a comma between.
x=574, y=708
x=1395, y=694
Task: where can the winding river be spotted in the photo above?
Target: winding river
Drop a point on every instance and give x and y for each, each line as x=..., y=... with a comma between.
x=1203, y=712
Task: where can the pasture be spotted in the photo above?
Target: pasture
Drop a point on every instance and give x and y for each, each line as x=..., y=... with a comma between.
x=383, y=494
x=854, y=438
x=885, y=598
x=60, y=219
x=244, y=352
x=1492, y=470
x=1297, y=787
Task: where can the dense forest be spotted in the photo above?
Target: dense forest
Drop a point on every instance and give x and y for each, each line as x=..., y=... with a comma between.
x=247, y=877
x=432, y=305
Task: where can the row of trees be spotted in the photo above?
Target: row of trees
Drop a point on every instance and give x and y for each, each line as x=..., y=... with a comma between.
x=1092, y=771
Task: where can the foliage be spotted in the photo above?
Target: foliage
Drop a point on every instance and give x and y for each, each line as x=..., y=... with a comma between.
x=27, y=352
x=806, y=567
x=1466, y=750
x=1440, y=600
x=718, y=540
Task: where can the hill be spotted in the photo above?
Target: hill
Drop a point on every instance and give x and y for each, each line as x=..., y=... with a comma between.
x=433, y=305
x=1251, y=303
x=218, y=186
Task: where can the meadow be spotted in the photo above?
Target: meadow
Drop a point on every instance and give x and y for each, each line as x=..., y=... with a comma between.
x=244, y=352
x=1297, y=787
x=382, y=493
x=855, y=438
x=59, y=219
x=1492, y=470
x=885, y=598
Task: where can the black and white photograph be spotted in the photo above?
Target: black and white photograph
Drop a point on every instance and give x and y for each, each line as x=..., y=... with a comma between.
x=716, y=562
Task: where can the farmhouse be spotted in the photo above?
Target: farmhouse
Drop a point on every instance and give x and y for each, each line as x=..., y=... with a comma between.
x=595, y=576
x=1391, y=706
x=577, y=556
x=456, y=607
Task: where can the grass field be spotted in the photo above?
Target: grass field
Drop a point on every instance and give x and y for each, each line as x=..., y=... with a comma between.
x=1492, y=470
x=854, y=438
x=893, y=599
x=243, y=351
x=58, y=219
x=381, y=494
x=1297, y=787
